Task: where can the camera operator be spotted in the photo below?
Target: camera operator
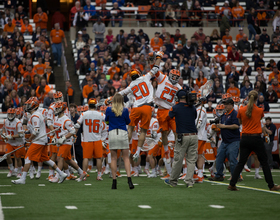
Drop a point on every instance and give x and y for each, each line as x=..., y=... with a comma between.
x=186, y=141
x=231, y=138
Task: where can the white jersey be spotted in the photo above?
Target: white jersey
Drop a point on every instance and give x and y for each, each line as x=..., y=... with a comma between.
x=43, y=111
x=13, y=128
x=66, y=126
x=236, y=107
x=50, y=114
x=165, y=91
x=105, y=133
x=202, y=132
x=154, y=126
x=92, y=125
x=142, y=90
x=37, y=121
x=171, y=137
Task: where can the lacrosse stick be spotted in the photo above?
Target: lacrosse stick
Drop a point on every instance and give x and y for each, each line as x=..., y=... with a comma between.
x=149, y=144
x=5, y=155
x=205, y=159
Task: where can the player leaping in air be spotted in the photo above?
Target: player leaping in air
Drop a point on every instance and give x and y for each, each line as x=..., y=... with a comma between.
x=142, y=90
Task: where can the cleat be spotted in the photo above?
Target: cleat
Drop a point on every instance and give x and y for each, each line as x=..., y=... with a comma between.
x=31, y=173
x=152, y=175
x=132, y=173
x=89, y=168
x=71, y=177
x=167, y=182
x=19, y=181
x=246, y=168
x=49, y=177
x=182, y=177
x=159, y=173
x=82, y=177
x=135, y=174
x=189, y=186
x=54, y=180
x=200, y=180
x=19, y=175
x=211, y=172
x=139, y=170
x=167, y=157
x=258, y=177
x=119, y=174
x=88, y=175
x=99, y=178
x=62, y=177
x=11, y=173
x=165, y=177
x=147, y=171
x=195, y=177
x=38, y=175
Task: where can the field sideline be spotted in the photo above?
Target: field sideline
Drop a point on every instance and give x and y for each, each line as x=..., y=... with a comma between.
x=98, y=201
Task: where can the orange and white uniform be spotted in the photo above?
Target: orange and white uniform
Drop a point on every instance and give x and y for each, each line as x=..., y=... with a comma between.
x=13, y=128
x=201, y=128
x=142, y=90
x=93, y=124
x=66, y=126
x=134, y=140
x=50, y=114
x=164, y=99
x=154, y=127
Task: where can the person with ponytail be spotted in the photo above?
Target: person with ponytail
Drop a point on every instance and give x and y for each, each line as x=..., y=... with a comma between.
x=250, y=117
x=118, y=118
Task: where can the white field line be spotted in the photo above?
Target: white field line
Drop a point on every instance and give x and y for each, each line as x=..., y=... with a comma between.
x=1, y=211
x=7, y=194
x=13, y=207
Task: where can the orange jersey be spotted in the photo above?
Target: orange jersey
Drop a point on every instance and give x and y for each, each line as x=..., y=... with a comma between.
x=40, y=69
x=156, y=47
x=43, y=22
x=228, y=69
x=57, y=36
x=8, y=28
x=200, y=83
x=42, y=96
x=274, y=75
x=26, y=73
x=28, y=28
x=217, y=47
x=239, y=37
x=235, y=92
x=238, y=11
x=86, y=90
x=221, y=58
x=227, y=39
x=112, y=71
x=276, y=89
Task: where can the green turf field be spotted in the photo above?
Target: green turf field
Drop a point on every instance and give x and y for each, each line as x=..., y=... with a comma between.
x=98, y=201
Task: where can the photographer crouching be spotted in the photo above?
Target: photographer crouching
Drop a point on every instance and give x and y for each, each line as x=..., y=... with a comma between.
x=229, y=147
x=186, y=141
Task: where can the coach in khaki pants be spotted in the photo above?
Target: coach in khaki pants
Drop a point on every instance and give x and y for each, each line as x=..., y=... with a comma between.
x=186, y=141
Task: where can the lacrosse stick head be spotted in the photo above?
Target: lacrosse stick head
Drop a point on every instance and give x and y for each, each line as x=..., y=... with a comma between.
x=206, y=88
x=149, y=144
x=11, y=114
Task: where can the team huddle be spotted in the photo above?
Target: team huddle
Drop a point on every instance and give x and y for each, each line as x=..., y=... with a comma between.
x=151, y=132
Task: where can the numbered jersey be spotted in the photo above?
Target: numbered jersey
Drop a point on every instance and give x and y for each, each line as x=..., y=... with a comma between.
x=154, y=126
x=202, y=132
x=13, y=128
x=43, y=111
x=92, y=125
x=142, y=90
x=37, y=121
x=165, y=91
x=66, y=126
x=50, y=114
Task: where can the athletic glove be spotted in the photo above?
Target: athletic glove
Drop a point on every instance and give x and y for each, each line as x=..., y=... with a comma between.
x=108, y=101
x=137, y=154
x=9, y=137
x=61, y=140
x=267, y=139
x=53, y=140
x=104, y=145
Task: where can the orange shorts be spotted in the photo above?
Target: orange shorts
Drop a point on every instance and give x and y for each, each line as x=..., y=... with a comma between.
x=18, y=153
x=92, y=149
x=37, y=153
x=65, y=151
x=165, y=122
x=201, y=147
x=143, y=114
x=133, y=146
x=54, y=149
x=106, y=151
x=154, y=152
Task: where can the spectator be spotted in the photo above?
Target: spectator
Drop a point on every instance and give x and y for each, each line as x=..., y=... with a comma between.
x=244, y=45
x=233, y=54
x=261, y=103
x=265, y=37
x=170, y=15
x=120, y=38
x=237, y=13
x=76, y=8
x=41, y=19
x=116, y=15
x=255, y=56
x=276, y=87
x=48, y=100
x=85, y=35
x=36, y=83
x=227, y=38
x=252, y=23
x=212, y=65
x=205, y=58
x=42, y=90
x=245, y=90
x=137, y=65
x=207, y=45
x=201, y=68
x=211, y=97
x=109, y=36
x=84, y=67
x=246, y=69
x=7, y=104
x=25, y=89
x=271, y=95
x=15, y=98
x=233, y=73
x=196, y=15
x=90, y=10
x=49, y=76
x=142, y=35
x=36, y=35
x=274, y=46
x=29, y=72
x=58, y=17
x=224, y=25
x=270, y=130
x=234, y=91
x=186, y=72
x=156, y=44
x=269, y=67
x=9, y=27
x=80, y=42
x=40, y=67
x=257, y=44
x=80, y=19
x=219, y=46
x=21, y=13
x=276, y=33
x=215, y=36
x=260, y=62
x=87, y=89
x=116, y=81
x=26, y=28
x=218, y=89
x=156, y=14
x=199, y=35
x=240, y=35
x=100, y=2
x=200, y=80
x=17, y=21
x=276, y=20
x=113, y=70
x=104, y=14
x=47, y=60
x=99, y=30
x=220, y=58
x=177, y=52
x=57, y=36
x=216, y=76
x=262, y=15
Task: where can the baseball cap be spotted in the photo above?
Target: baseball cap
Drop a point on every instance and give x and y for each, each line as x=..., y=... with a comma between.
x=179, y=45
x=229, y=101
x=227, y=2
x=182, y=94
x=241, y=29
x=79, y=32
x=110, y=81
x=230, y=59
x=140, y=30
x=84, y=29
x=216, y=67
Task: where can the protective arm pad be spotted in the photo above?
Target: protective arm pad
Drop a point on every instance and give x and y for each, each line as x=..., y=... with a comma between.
x=77, y=126
x=36, y=131
x=73, y=131
x=154, y=70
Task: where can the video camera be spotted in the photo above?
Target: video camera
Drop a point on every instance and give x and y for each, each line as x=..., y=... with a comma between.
x=191, y=98
x=215, y=121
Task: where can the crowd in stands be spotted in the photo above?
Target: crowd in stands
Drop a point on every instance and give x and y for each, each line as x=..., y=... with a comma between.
x=26, y=64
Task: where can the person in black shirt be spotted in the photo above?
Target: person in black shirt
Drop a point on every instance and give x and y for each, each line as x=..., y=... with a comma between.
x=270, y=130
x=260, y=62
x=265, y=38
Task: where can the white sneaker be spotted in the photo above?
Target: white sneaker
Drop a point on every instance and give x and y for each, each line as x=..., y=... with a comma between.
x=19, y=175
x=258, y=176
x=19, y=181
x=246, y=168
x=38, y=175
x=152, y=175
x=62, y=177
x=53, y=179
x=11, y=173
x=82, y=176
x=139, y=170
x=147, y=171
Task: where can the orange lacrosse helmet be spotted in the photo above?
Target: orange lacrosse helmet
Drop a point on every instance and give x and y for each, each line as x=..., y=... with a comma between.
x=134, y=72
x=92, y=101
x=103, y=108
x=226, y=96
x=32, y=104
x=60, y=107
x=236, y=99
x=58, y=96
x=151, y=56
x=11, y=114
x=220, y=107
x=19, y=112
x=174, y=76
